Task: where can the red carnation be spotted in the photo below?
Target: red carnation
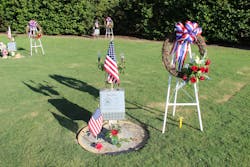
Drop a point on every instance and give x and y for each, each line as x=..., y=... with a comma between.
x=114, y=132
x=202, y=69
x=193, y=79
x=194, y=68
x=208, y=62
x=202, y=78
x=98, y=146
x=39, y=36
x=206, y=70
x=184, y=77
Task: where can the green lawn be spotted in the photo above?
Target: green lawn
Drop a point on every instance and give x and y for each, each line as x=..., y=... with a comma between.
x=45, y=100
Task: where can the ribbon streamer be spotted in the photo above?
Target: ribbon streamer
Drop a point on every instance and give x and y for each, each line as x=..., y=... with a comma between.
x=185, y=35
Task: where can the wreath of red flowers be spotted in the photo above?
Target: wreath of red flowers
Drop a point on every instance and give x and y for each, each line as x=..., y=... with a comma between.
x=192, y=72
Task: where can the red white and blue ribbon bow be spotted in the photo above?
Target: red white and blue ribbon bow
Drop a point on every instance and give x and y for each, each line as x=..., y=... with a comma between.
x=185, y=35
x=32, y=27
x=32, y=24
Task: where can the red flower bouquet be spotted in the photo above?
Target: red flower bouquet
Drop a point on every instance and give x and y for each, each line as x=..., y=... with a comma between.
x=197, y=70
x=113, y=138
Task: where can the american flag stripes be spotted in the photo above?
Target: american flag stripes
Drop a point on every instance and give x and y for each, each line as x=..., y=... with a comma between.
x=110, y=65
x=95, y=123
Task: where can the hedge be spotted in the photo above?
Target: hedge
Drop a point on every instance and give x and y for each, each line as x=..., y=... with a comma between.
x=221, y=20
x=56, y=17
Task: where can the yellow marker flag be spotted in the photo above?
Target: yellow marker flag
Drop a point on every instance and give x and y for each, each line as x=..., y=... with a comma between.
x=180, y=124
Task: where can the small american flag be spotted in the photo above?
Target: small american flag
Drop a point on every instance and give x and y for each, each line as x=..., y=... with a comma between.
x=9, y=33
x=95, y=123
x=110, y=65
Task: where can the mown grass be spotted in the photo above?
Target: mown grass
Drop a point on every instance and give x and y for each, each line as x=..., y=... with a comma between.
x=45, y=100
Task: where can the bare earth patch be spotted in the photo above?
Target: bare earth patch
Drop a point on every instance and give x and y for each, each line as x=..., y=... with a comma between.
x=74, y=65
x=34, y=114
x=244, y=71
x=236, y=87
x=30, y=115
x=160, y=105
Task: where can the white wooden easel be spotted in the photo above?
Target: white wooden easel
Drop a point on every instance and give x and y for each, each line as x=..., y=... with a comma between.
x=179, y=85
x=34, y=40
x=109, y=32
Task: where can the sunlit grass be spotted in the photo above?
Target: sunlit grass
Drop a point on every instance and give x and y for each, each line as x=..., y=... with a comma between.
x=45, y=100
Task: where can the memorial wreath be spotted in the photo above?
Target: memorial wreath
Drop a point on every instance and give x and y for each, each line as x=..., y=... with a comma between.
x=174, y=53
x=33, y=25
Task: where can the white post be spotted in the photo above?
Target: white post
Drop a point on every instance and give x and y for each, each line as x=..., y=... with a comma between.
x=175, y=96
x=31, y=46
x=112, y=34
x=198, y=106
x=41, y=46
x=35, y=46
x=167, y=104
x=109, y=32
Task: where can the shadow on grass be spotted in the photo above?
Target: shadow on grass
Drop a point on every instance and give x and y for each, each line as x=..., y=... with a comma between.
x=20, y=48
x=85, y=87
x=176, y=123
x=71, y=111
x=76, y=84
x=65, y=122
x=170, y=121
x=44, y=89
x=23, y=51
x=155, y=111
x=142, y=107
x=144, y=125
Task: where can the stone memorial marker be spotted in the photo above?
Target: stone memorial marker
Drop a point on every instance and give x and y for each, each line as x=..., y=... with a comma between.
x=11, y=46
x=112, y=104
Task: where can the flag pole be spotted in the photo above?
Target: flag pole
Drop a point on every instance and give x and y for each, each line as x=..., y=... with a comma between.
x=112, y=86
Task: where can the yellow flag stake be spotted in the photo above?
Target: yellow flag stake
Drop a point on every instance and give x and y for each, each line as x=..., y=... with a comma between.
x=180, y=124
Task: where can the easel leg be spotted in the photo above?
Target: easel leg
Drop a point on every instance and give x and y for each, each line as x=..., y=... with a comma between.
x=167, y=104
x=198, y=106
x=41, y=46
x=31, y=46
x=175, y=96
x=35, y=46
x=112, y=34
